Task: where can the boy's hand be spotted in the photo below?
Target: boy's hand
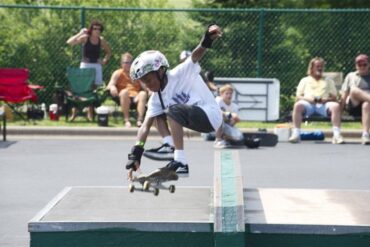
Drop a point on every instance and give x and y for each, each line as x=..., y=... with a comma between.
x=215, y=32
x=134, y=159
x=131, y=171
x=212, y=33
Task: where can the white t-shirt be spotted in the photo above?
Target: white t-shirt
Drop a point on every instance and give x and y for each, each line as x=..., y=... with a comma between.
x=225, y=107
x=186, y=86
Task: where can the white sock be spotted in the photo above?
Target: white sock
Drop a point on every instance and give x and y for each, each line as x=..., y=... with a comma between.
x=296, y=132
x=179, y=155
x=336, y=131
x=168, y=140
x=365, y=134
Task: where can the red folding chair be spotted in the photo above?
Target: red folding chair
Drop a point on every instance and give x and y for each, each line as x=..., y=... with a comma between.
x=14, y=87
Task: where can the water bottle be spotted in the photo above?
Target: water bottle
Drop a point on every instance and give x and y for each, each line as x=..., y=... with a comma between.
x=43, y=109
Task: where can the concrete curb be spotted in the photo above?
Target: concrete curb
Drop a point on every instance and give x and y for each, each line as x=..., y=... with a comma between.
x=83, y=131
x=122, y=131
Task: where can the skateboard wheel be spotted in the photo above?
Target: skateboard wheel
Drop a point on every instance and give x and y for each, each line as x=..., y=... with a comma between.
x=172, y=188
x=156, y=191
x=131, y=188
x=146, y=185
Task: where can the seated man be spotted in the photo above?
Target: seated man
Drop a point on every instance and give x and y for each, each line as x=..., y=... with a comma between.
x=126, y=92
x=316, y=95
x=231, y=135
x=356, y=94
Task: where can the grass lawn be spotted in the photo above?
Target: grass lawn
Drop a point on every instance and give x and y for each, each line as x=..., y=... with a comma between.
x=79, y=122
x=118, y=122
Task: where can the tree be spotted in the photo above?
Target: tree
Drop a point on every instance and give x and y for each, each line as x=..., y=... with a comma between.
x=35, y=38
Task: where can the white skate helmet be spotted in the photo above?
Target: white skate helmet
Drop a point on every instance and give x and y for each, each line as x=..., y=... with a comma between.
x=146, y=62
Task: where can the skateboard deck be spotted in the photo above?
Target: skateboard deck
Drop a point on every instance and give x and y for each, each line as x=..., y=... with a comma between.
x=152, y=182
x=266, y=139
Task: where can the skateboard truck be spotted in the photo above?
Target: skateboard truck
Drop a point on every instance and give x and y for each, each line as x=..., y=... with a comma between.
x=154, y=180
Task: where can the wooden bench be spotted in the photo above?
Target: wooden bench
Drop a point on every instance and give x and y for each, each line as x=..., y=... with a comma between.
x=337, y=77
x=317, y=118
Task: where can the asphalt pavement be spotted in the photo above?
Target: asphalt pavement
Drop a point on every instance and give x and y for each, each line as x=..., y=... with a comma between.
x=34, y=167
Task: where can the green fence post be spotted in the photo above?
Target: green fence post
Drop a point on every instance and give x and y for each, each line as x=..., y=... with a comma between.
x=82, y=17
x=82, y=23
x=260, y=43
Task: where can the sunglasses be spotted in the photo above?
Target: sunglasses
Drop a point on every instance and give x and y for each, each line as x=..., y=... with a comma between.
x=125, y=62
x=362, y=64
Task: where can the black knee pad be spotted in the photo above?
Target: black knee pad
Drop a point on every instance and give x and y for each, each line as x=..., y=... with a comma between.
x=252, y=142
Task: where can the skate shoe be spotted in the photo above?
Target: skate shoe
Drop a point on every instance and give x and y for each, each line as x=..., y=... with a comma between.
x=164, y=152
x=181, y=169
x=338, y=139
x=221, y=144
x=365, y=140
x=295, y=138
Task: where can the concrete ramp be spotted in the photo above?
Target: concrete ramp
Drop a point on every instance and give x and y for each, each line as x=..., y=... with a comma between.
x=112, y=216
x=225, y=215
x=307, y=217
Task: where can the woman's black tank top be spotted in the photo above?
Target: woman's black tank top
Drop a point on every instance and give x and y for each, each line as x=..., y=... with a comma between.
x=91, y=52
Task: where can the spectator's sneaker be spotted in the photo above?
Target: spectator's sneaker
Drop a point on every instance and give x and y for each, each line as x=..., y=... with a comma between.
x=338, y=139
x=295, y=138
x=221, y=144
x=365, y=140
x=181, y=169
x=164, y=152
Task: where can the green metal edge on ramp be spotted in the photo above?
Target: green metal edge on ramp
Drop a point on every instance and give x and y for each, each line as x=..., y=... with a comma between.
x=228, y=200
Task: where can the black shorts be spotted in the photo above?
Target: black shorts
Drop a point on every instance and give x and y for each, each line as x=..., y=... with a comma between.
x=132, y=103
x=352, y=110
x=191, y=117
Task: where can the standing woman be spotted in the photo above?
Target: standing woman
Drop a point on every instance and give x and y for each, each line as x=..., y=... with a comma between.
x=92, y=42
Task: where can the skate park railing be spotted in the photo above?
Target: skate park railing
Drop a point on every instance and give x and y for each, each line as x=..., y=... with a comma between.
x=223, y=215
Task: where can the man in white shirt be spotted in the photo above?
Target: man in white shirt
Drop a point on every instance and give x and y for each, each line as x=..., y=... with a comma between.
x=181, y=94
x=356, y=94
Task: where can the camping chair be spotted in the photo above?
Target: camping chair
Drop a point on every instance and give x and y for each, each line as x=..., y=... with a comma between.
x=81, y=91
x=14, y=88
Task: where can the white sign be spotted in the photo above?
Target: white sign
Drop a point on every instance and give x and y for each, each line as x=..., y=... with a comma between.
x=258, y=98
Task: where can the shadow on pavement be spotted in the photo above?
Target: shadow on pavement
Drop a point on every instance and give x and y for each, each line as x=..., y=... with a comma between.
x=6, y=144
x=346, y=142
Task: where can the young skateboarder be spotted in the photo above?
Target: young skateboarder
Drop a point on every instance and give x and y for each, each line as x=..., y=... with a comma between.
x=181, y=94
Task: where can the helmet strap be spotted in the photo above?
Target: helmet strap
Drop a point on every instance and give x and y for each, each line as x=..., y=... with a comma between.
x=163, y=79
x=162, y=84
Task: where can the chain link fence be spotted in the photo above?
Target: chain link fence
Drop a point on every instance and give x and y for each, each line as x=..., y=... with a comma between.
x=271, y=43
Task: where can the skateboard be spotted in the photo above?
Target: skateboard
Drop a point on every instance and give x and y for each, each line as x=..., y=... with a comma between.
x=266, y=139
x=152, y=182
